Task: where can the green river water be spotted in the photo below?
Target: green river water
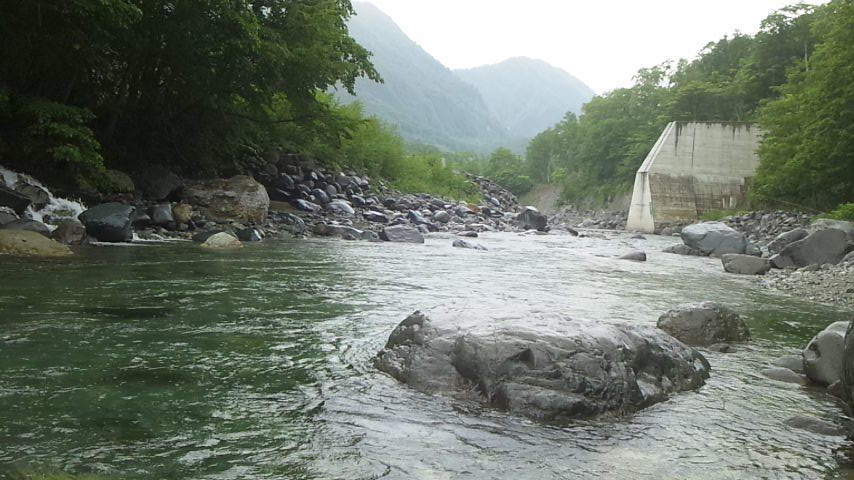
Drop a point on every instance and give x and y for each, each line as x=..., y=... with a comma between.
x=168, y=362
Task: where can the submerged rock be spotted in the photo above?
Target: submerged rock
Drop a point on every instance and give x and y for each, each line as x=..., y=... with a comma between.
x=531, y=219
x=824, y=355
x=31, y=244
x=222, y=241
x=815, y=425
x=745, y=264
x=782, y=374
x=401, y=233
x=464, y=244
x=109, y=222
x=714, y=239
x=636, y=256
x=683, y=249
x=546, y=367
x=704, y=323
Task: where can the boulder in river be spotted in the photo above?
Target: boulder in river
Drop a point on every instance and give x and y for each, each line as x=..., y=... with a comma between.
x=704, y=323
x=7, y=215
x=635, y=256
x=31, y=244
x=824, y=355
x=39, y=197
x=714, y=239
x=401, y=233
x=109, y=222
x=459, y=243
x=161, y=214
x=249, y=235
x=237, y=199
x=682, y=249
x=222, y=241
x=531, y=219
x=69, y=232
x=745, y=264
x=27, y=224
x=546, y=367
x=820, y=247
x=826, y=223
x=15, y=200
x=782, y=374
x=182, y=212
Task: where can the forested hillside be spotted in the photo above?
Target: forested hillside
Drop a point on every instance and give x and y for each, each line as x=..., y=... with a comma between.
x=795, y=77
x=426, y=100
x=527, y=95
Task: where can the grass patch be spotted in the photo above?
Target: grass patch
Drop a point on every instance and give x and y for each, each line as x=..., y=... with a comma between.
x=718, y=215
x=844, y=211
x=428, y=174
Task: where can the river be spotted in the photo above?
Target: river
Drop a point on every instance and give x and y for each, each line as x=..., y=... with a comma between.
x=174, y=363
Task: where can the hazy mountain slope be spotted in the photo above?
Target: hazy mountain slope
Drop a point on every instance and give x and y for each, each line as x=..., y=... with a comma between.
x=526, y=95
x=427, y=101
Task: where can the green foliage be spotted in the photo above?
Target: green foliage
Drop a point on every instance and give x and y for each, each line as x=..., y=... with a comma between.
x=429, y=174
x=842, y=212
x=808, y=152
x=508, y=170
x=200, y=86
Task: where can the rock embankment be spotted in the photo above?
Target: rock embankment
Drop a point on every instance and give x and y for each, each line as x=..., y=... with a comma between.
x=551, y=369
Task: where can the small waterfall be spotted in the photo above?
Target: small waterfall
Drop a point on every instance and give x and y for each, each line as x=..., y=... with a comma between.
x=57, y=209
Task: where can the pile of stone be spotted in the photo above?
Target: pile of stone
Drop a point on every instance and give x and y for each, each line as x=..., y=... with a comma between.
x=494, y=194
x=762, y=227
x=572, y=217
x=830, y=284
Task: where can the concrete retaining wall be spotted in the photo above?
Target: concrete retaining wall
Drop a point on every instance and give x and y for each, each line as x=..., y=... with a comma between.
x=694, y=168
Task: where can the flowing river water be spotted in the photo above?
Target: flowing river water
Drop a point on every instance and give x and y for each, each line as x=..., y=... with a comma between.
x=170, y=362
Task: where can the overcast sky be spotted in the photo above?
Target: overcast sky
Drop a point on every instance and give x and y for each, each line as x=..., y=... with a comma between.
x=603, y=43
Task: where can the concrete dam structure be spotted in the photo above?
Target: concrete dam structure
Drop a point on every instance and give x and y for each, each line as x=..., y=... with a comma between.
x=694, y=168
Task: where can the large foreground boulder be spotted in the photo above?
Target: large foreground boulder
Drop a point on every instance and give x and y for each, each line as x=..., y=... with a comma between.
x=531, y=219
x=784, y=239
x=714, y=239
x=820, y=247
x=745, y=264
x=237, y=199
x=109, y=222
x=546, y=367
x=30, y=244
x=401, y=233
x=704, y=323
x=824, y=355
x=826, y=223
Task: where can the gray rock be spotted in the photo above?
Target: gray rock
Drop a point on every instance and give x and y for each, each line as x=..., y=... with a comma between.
x=29, y=225
x=849, y=258
x=39, y=198
x=222, y=241
x=751, y=250
x=340, y=207
x=464, y=244
x=320, y=196
x=745, y=264
x=109, y=222
x=468, y=234
x=713, y=239
x=823, y=357
x=374, y=216
x=359, y=201
x=442, y=216
x=784, y=239
x=249, y=235
x=823, y=246
x=370, y=236
x=794, y=363
x=401, y=233
x=17, y=201
x=416, y=218
x=815, y=425
x=572, y=370
x=307, y=206
x=69, y=232
x=635, y=256
x=826, y=223
x=704, y=323
x=782, y=374
x=237, y=199
x=161, y=214
x=331, y=190
x=159, y=183
x=531, y=219
x=7, y=215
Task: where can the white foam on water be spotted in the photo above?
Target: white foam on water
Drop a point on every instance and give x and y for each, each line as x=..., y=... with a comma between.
x=57, y=208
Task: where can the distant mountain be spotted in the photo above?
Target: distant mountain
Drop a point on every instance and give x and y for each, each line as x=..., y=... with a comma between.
x=526, y=95
x=427, y=101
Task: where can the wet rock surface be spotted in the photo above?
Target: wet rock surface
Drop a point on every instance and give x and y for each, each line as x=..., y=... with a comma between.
x=704, y=323
x=109, y=222
x=745, y=264
x=571, y=370
x=824, y=355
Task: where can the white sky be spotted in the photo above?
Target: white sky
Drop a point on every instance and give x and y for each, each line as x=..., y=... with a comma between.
x=603, y=43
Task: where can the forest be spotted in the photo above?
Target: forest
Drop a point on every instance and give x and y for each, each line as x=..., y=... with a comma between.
x=795, y=78
x=203, y=88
